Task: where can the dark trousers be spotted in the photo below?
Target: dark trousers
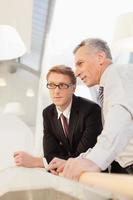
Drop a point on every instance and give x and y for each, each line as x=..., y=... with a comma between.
x=129, y=169
x=116, y=168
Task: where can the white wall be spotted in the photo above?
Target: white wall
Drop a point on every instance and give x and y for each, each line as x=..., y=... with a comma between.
x=15, y=90
x=18, y=13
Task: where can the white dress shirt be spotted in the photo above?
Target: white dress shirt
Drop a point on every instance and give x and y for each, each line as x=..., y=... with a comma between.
x=116, y=139
x=66, y=113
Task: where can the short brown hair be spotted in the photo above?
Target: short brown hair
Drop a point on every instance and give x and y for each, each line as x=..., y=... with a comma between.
x=62, y=69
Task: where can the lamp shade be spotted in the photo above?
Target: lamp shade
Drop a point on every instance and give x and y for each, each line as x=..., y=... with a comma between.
x=123, y=33
x=11, y=44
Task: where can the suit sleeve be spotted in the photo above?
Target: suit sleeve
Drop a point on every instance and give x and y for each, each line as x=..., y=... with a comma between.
x=93, y=127
x=51, y=145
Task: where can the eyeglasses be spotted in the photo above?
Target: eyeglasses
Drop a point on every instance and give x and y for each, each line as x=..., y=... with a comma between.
x=60, y=85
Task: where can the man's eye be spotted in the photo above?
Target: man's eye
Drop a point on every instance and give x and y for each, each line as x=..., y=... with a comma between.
x=63, y=85
x=51, y=84
x=80, y=63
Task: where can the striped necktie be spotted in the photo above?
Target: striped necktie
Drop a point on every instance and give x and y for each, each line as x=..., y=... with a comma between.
x=101, y=89
x=65, y=124
x=100, y=96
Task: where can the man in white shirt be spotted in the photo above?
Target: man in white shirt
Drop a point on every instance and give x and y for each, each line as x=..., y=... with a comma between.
x=94, y=66
x=71, y=123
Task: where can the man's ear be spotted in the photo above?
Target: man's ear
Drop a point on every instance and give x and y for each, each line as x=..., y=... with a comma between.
x=101, y=57
x=74, y=88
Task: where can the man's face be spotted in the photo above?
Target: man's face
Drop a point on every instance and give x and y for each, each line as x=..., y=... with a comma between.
x=88, y=67
x=61, y=97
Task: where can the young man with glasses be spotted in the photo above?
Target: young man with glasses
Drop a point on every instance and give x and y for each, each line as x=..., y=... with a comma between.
x=71, y=123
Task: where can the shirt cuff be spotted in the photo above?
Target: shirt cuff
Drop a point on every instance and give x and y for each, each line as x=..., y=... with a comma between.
x=84, y=154
x=45, y=163
x=101, y=161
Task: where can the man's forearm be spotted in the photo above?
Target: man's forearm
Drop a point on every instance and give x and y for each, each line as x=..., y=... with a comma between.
x=38, y=162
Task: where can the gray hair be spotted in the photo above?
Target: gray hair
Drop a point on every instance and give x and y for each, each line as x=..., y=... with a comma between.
x=96, y=44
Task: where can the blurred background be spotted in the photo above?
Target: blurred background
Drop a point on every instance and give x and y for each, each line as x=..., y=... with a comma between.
x=50, y=30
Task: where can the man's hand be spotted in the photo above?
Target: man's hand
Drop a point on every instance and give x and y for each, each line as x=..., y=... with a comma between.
x=26, y=160
x=74, y=167
x=56, y=165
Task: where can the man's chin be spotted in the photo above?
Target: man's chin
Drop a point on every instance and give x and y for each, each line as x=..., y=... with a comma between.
x=57, y=103
x=89, y=84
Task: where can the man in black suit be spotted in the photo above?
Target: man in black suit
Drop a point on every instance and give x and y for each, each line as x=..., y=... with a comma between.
x=84, y=127
x=70, y=138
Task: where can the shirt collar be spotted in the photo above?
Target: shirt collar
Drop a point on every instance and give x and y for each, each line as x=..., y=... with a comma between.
x=104, y=75
x=66, y=112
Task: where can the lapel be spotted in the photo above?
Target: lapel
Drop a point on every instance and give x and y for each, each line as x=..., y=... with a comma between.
x=74, y=115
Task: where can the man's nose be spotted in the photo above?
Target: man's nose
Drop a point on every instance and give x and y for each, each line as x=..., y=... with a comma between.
x=77, y=73
x=57, y=89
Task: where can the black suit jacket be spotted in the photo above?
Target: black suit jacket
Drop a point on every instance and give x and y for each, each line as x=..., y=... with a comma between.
x=84, y=127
